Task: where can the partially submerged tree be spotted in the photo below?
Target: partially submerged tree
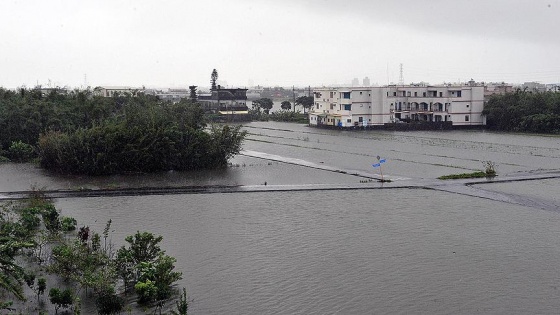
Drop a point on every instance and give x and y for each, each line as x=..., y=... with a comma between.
x=146, y=265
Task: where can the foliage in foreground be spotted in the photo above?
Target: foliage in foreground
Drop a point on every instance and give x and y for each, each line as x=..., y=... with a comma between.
x=84, y=260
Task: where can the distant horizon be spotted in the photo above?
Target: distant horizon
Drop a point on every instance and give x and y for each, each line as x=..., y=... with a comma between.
x=202, y=87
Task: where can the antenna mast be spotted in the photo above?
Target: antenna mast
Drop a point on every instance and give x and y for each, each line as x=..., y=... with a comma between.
x=401, y=78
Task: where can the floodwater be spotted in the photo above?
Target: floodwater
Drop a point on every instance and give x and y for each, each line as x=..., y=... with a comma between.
x=361, y=251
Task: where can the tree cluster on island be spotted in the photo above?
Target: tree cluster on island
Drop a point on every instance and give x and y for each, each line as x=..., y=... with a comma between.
x=81, y=133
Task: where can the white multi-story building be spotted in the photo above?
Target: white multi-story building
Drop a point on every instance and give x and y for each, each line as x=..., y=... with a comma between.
x=461, y=105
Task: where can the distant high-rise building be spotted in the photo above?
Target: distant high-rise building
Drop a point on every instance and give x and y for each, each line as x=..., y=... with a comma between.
x=366, y=82
x=355, y=82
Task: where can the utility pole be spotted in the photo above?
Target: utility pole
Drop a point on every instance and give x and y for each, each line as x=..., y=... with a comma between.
x=401, y=78
x=294, y=96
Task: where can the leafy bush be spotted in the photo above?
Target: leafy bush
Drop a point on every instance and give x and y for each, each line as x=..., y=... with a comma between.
x=20, y=152
x=109, y=303
x=68, y=224
x=146, y=291
x=61, y=298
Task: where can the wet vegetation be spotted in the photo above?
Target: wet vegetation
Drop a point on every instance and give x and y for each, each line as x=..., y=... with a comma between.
x=489, y=171
x=80, y=133
x=524, y=111
x=478, y=174
x=37, y=244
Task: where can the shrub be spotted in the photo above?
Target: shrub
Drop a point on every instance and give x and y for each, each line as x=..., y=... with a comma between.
x=68, y=224
x=61, y=298
x=20, y=152
x=109, y=303
x=146, y=291
x=489, y=168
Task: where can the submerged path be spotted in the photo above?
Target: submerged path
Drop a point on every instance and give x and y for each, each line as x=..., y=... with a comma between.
x=462, y=186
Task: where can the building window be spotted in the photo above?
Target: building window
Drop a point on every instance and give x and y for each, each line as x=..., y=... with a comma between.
x=424, y=94
x=394, y=93
x=467, y=118
x=349, y=120
x=458, y=93
x=440, y=94
x=360, y=93
x=360, y=119
x=346, y=95
x=348, y=107
x=415, y=93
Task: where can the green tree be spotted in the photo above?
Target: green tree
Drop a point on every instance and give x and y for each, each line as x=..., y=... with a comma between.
x=265, y=104
x=147, y=264
x=144, y=246
x=524, y=111
x=61, y=298
x=286, y=105
x=50, y=218
x=305, y=101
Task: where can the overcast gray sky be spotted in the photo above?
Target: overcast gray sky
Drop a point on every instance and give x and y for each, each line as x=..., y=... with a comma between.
x=277, y=42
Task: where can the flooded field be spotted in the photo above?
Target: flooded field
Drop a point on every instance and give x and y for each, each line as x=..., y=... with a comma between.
x=358, y=251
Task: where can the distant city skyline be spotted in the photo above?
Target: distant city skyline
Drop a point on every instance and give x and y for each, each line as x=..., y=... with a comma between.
x=277, y=43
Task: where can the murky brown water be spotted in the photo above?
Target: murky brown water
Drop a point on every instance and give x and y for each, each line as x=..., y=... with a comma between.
x=346, y=252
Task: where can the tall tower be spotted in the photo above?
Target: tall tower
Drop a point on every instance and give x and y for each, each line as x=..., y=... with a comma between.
x=213, y=79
